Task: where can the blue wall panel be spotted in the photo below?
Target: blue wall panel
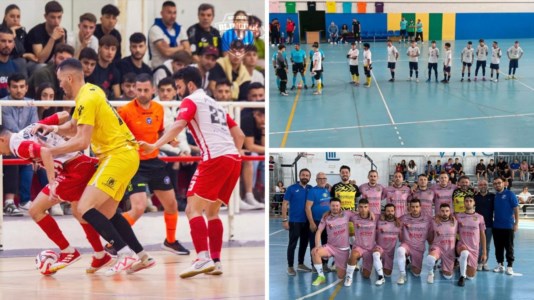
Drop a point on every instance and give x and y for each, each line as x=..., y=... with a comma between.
x=494, y=25
x=369, y=22
x=282, y=18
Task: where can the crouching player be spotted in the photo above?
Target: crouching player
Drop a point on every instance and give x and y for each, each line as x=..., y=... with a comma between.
x=387, y=233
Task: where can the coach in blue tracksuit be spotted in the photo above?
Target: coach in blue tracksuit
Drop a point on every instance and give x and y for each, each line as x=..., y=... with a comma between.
x=505, y=223
x=317, y=203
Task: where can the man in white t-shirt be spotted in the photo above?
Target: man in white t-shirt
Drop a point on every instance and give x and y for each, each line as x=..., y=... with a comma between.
x=367, y=63
x=467, y=60
x=447, y=62
x=352, y=55
x=496, y=55
x=393, y=55
x=317, y=68
x=165, y=37
x=85, y=37
x=482, y=56
x=433, y=54
x=514, y=54
x=413, y=58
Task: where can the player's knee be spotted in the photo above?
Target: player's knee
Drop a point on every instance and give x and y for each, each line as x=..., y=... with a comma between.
x=366, y=274
x=35, y=213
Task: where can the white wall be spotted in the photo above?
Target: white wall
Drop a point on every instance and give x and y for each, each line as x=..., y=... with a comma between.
x=421, y=6
x=136, y=15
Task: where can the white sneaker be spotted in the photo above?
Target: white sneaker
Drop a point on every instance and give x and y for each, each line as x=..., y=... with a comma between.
x=485, y=267
x=416, y=79
x=509, y=271
x=123, y=263
x=402, y=279
x=430, y=278
x=56, y=210
x=199, y=266
x=10, y=209
x=380, y=281
x=146, y=262
x=245, y=206
x=348, y=280
x=217, y=270
x=255, y=203
x=499, y=269
x=479, y=267
x=26, y=206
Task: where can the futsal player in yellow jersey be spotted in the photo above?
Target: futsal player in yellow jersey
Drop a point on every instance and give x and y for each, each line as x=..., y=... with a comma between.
x=95, y=122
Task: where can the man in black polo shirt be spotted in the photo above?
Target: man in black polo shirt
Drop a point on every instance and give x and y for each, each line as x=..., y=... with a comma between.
x=106, y=75
x=202, y=34
x=484, y=203
x=108, y=20
x=134, y=63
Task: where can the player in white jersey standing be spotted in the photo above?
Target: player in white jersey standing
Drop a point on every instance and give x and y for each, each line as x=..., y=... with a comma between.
x=393, y=56
x=482, y=55
x=496, y=55
x=367, y=63
x=353, y=55
x=467, y=60
x=413, y=58
x=447, y=62
x=317, y=68
x=433, y=54
x=514, y=54
x=219, y=138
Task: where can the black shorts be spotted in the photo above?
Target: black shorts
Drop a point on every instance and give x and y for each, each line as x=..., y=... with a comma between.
x=403, y=32
x=494, y=66
x=281, y=73
x=411, y=34
x=467, y=64
x=432, y=66
x=414, y=65
x=151, y=172
x=298, y=68
x=481, y=63
x=391, y=65
x=317, y=75
x=447, y=69
x=354, y=70
x=514, y=63
x=367, y=70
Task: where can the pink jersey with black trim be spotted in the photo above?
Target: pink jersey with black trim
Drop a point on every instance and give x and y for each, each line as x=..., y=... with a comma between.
x=442, y=195
x=209, y=124
x=444, y=235
x=387, y=234
x=427, y=199
x=26, y=145
x=469, y=227
x=399, y=197
x=415, y=231
x=337, y=229
x=364, y=232
x=373, y=194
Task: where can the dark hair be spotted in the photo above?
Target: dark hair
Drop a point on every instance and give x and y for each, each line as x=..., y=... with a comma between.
x=463, y=177
x=421, y=175
x=88, y=53
x=448, y=44
x=240, y=12
x=15, y=77
x=88, y=17
x=167, y=81
x=281, y=46
x=9, y=8
x=363, y=201
x=481, y=40
x=143, y=77
x=470, y=43
x=372, y=171
x=366, y=45
x=389, y=205
x=62, y=47
x=304, y=170
x=251, y=48
x=399, y=173
x=183, y=57
x=415, y=200
x=224, y=81
x=129, y=77
x=335, y=199
x=189, y=74
x=168, y=3
x=108, y=40
x=254, y=20
x=110, y=9
x=206, y=6
x=446, y=204
x=137, y=38
x=53, y=7
x=70, y=63
x=43, y=86
x=344, y=167
x=255, y=85
x=4, y=29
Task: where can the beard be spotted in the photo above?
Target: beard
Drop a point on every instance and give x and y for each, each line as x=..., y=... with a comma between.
x=390, y=217
x=187, y=93
x=304, y=180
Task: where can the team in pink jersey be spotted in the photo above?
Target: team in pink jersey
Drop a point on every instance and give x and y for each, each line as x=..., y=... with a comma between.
x=424, y=194
x=336, y=224
x=388, y=232
x=443, y=236
x=373, y=192
x=398, y=194
x=443, y=192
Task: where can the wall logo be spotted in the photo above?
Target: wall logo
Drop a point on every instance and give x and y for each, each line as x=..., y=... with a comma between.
x=332, y=156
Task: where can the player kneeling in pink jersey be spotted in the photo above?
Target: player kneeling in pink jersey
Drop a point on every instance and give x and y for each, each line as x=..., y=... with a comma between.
x=387, y=233
x=443, y=236
x=472, y=231
x=336, y=222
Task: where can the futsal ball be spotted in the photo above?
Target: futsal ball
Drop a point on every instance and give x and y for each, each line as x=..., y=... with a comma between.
x=299, y=85
x=44, y=260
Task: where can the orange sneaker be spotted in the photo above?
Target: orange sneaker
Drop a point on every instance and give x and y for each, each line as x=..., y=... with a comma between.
x=99, y=263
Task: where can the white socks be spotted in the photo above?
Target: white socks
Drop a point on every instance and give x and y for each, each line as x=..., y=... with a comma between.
x=429, y=263
x=377, y=263
x=401, y=260
x=100, y=254
x=463, y=262
x=319, y=268
x=350, y=270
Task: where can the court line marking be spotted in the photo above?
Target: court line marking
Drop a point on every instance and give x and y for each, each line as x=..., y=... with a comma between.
x=320, y=291
x=408, y=123
x=336, y=291
x=276, y=232
x=290, y=119
x=387, y=109
x=521, y=82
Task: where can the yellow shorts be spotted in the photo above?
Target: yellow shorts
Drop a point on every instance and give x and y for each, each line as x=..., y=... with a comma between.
x=114, y=173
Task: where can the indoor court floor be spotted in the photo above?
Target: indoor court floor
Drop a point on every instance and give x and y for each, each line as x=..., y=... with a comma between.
x=243, y=261
x=486, y=285
x=405, y=114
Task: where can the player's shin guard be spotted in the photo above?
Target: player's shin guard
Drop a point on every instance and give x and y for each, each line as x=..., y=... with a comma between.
x=170, y=226
x=104, y=227
x=319, y=268
x=199, y=233
x=401, y=259
x=215, y=233
x=126, y=232
x=369, y=80
x=319, y=85
x=463, y=262
x=377, y=263
x=350, y=270
x=93, y=237
x=50, y=227
x=429, y=263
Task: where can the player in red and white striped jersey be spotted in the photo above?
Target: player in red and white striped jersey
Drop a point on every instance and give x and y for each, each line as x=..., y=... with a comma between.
x=219, y=139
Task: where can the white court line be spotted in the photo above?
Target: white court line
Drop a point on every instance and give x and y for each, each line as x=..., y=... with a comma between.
x=528, y=87
x=387, y=109
x=276, y=232
x=321, y=290
x=407, y=123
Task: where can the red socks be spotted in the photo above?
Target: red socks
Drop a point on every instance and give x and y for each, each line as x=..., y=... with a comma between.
x=199, y=233
x=93, y=237
x=215, y=231
x=50, y=227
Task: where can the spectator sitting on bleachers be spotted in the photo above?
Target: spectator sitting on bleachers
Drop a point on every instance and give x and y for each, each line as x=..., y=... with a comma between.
x=128, y=86
x=202, y=34
x=524, y=198
x=206, y=62
x=240, y=32
x=344, y=33
x=250, y=62
x=507, y=175
x=45, y=91
x=134, y=63
x=108, y=21
x=223, y=90
x=280, y=187
x=85, y=37
x=490, y=170
x=429, y=171
x=12, y=21
x=166, y=37
x=333, y=33
x=501, y=166
x=43, y=38
x=254, y=25
x=514, y=167
x=523, y=171
x=404, y=168
x=88, y=58
x=106, y=75
x=457, y=166
x=448, y=168
x=7, y=64
x=231, y=67
x=48, y=73
x=178, y=61
x=438, y=167
x=412, y=170
x=480, y=170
